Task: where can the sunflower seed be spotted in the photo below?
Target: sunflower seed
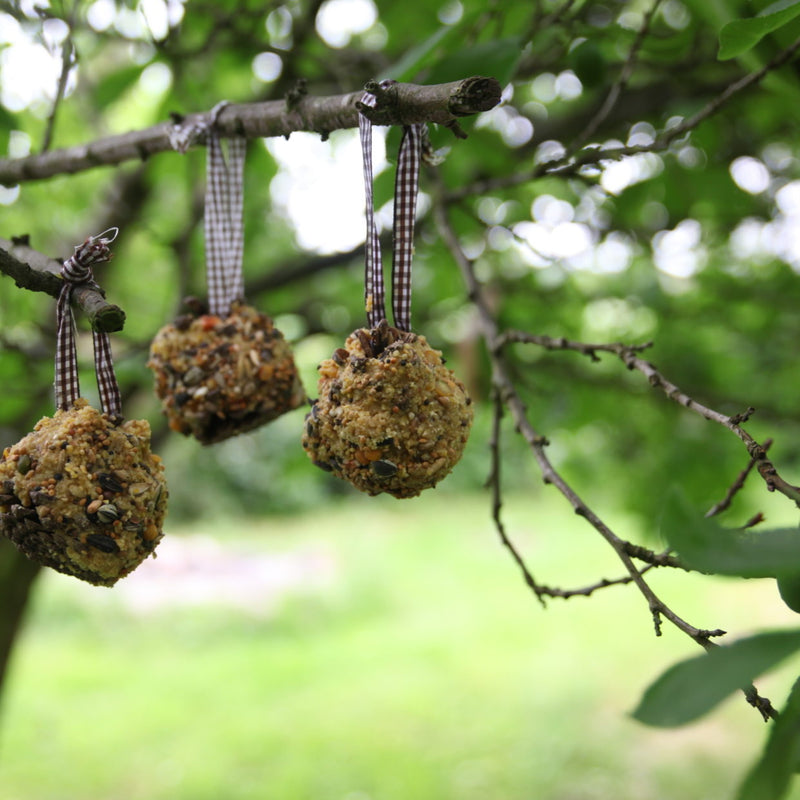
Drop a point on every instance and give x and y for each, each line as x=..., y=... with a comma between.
x=383, y=469
x=107, y=513
x=102, y=542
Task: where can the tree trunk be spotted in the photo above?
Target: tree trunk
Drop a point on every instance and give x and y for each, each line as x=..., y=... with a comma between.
x=17, y=574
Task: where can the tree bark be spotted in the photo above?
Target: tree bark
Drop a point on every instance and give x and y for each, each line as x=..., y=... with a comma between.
x=397, y=104
x=17, y=574
x=36, y=272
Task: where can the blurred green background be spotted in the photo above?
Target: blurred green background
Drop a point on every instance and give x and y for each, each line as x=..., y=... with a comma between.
x=355, y=652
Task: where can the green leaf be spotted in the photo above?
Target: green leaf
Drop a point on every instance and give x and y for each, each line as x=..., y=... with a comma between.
x=408, y=66
x=769, y=778
x=114, y=85
x=691, y=688
x=7, y=124
x=497, y=58
x=707, y=547
x=741, y=35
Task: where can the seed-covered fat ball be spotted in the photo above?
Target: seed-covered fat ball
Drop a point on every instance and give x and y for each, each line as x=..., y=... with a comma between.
x=83, y=494
x=217, y=377
x=390, y=416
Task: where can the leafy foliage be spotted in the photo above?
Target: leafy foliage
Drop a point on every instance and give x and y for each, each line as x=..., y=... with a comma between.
x=692, y=688
x=741, y=35
x=708, y=547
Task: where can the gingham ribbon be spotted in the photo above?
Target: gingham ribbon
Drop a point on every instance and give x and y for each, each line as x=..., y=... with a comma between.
x=77, y=270
x=224, y=234
x=405, y=206
x=224, y=229
x=374, y=291
x=405, y=211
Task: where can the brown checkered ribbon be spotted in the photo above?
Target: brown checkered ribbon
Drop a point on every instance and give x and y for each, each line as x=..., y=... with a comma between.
x=405, y=211
x=224, y=234
x=77, y=270
x=224, y=230
x=405, y=206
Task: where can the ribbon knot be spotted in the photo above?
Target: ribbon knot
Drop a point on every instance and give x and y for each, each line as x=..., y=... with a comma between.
x=76, y=271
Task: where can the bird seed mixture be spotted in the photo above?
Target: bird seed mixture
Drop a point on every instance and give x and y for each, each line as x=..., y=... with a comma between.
x=390, y=416
x=218, y=377
x=84, y=495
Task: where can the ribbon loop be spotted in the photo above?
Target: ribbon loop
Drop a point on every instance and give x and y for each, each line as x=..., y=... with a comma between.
x=224, y=227
x=405, y=212
x=374, y=291
x=223, y=222
x=405, y=207
x=77, y=270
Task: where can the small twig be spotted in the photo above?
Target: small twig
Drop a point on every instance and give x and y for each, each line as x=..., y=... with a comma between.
x=629, y=356
x=761, y=704
x=667, y=137
x=736, y=486
x=589, y=590
x=68, y=61
x=619, y=85
x=494, y=482
x=664, y=559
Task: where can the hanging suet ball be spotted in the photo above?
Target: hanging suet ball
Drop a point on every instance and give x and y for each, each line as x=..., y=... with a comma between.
x=390, y=417
x=83, y=494
x=217, y=377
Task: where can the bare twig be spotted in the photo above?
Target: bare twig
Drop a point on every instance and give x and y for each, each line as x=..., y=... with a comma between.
x=504, y=385
x=718, y=102
x=619, y=85
x=587, y=591
x=629, y=356
x=664, y=559
x=403, y=104
x=494, y=483
x=736, y=486
x=68, y=61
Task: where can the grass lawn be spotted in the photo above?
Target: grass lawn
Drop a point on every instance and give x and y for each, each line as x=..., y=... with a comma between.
x=380, y=650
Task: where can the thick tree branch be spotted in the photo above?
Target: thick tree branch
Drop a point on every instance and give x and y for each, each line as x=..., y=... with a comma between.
x=401, y=104
x=36, y=272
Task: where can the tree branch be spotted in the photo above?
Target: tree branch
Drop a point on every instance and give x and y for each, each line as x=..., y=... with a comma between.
x=506, y=391
x=573, y=163
x=503, y=383
x=400, y=104
x=494, y=483
x=36, y=272
x=622, y=81
x=629, y=356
